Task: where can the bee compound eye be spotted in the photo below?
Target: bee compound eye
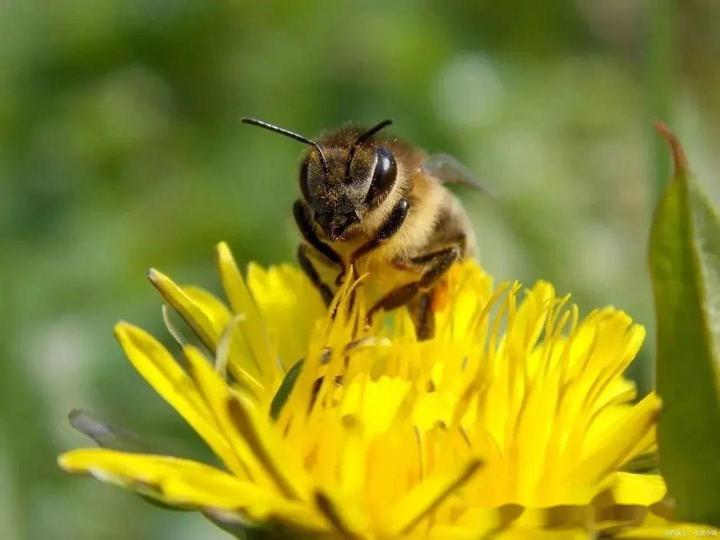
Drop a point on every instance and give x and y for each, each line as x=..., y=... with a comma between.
x=383, y=178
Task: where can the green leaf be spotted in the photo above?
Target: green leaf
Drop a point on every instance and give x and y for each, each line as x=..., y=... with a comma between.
x=685, y=269
x=285, y=388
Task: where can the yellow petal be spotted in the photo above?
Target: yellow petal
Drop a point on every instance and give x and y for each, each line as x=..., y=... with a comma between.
x=616, y=444
x=343, y=517
x=269, y=448
x=216, y=393
x=424, y=498
x=376, y=402
x=174, y=481
x=637, y=489
x=230, y=355
x=290, y=305
x=252, y=327
x=188, y=308
x=162, y=372
x=189, y=484
x=217, y=313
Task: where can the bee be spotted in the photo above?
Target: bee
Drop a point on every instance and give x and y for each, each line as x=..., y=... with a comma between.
x=379, y=204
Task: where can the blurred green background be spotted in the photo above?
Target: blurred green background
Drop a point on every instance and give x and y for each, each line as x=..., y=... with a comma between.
x=121, y=148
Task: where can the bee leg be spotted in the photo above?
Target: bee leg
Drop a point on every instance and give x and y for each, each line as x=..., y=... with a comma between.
x=301, y=212
x=392, y=224
x=437, y=262
x=420, y=309
x=388, y=229
x=310, y=271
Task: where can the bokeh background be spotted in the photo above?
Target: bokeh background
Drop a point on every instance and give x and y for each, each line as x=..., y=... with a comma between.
x=121, y=148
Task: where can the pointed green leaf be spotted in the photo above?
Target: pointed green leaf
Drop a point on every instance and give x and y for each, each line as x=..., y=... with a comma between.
x=685, y=269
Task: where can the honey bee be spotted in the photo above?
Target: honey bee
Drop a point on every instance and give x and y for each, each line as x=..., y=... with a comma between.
x=379, y=204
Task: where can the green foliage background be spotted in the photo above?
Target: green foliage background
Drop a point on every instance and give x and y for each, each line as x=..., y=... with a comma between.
x=121, y=148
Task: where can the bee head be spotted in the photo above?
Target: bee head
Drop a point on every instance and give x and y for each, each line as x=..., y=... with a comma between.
x=359, y=174
x=343, y=176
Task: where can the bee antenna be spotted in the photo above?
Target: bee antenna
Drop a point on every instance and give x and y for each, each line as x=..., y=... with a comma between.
x=361, y=139
x=292, y=135
x=372, y=131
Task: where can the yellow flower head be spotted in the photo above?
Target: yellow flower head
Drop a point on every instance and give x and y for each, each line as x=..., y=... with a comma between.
x=514, y=417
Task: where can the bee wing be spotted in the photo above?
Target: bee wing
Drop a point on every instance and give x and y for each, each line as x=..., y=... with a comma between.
x=448, y=169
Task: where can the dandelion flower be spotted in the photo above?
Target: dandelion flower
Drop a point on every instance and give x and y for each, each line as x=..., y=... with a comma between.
x=513, y=419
